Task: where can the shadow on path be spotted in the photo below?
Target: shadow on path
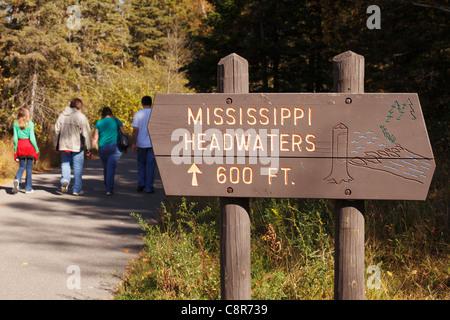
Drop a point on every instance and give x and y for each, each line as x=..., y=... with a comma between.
x=43, y=234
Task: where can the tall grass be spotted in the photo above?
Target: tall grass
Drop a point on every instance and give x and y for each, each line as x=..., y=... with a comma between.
x=292, y=242
x=292, y=250
x=8, y=166
x=180, y=260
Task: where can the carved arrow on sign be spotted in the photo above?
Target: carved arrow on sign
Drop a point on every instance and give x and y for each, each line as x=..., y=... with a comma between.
x=194, y=169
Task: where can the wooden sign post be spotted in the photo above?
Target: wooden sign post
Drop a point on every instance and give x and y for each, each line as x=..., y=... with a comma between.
x=235, y=277
x=346, y=146
x=348, y=214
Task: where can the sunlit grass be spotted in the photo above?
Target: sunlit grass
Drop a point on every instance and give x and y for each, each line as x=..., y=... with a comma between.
x=292, y=251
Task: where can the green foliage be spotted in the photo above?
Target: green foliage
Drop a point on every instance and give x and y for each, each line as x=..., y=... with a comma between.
x=44, y=63
x=148, y=24
x=103, y=62
x=292, y=250
x=292, y=243
x=32, y=47
x=179, y=261
x=122, y=90
x=183, y=249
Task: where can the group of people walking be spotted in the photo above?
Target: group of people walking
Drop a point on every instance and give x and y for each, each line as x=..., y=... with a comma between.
x=73, y=137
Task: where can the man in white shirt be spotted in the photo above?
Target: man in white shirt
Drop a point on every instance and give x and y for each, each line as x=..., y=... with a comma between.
x=142, y=145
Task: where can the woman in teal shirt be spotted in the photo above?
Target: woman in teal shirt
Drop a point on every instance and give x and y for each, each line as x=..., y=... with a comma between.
x=107, y=134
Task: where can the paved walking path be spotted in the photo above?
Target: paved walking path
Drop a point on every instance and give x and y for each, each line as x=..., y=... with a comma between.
x=48, y=238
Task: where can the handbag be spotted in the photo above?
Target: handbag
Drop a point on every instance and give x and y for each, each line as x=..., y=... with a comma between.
x=123, y=143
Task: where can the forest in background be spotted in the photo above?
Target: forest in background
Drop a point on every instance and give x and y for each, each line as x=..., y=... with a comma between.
x=290, y=45
x=120, y=51
x=108, y=53
x=125, y=49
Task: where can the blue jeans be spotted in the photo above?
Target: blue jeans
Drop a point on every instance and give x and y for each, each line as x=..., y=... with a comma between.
x=146, y=168
x=75, y=161
x=110, y=155
x=28, y=164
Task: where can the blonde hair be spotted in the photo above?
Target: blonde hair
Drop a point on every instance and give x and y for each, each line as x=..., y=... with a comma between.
x=23, y=117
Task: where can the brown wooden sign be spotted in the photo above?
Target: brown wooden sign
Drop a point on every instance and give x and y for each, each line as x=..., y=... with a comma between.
x=292, y=145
